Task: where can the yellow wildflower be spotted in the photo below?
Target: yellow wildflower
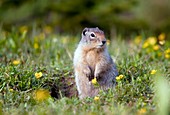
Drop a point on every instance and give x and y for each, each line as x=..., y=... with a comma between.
x=156, y=47
x=152, y=40
x=167, y=56
x=41, y=94
x=119, y=77
x=16, y=62
x=153, y=72
x=161, y=37
x=138, y=39
x=145, y=45
x=96, y=98
x=167, y=51
x=38, y=75
x=108, y=42
x=11, y=90
x=94, y=81
x=142, y=111
x=36, y=46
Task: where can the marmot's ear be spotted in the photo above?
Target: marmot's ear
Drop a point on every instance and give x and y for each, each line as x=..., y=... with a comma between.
x=84, y=31
x=97, y=28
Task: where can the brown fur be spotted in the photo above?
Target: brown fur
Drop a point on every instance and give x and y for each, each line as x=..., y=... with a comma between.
x=91, y=59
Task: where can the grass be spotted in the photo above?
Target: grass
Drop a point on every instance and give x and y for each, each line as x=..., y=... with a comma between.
x=26, y=53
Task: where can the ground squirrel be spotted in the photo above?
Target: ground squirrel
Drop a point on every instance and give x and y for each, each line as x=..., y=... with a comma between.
x=91, y=59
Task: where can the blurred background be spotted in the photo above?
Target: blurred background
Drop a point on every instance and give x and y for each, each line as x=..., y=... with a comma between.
x=66, y=16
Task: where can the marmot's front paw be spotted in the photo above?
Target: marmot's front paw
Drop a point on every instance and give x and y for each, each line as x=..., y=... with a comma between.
x=98, y=76
x=88, y=72
x=91, y=77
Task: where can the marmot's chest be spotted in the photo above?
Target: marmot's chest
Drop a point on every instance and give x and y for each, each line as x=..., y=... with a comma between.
x=92, y=58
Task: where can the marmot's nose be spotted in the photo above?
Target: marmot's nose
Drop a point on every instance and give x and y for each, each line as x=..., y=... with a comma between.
x=103, y=42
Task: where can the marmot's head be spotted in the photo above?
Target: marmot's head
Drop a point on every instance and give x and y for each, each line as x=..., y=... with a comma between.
x=93, y=37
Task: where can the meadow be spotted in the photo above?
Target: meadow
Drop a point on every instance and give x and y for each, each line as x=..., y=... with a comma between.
x=36, y=74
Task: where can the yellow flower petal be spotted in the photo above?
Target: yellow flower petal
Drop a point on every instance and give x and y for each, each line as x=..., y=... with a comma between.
x=121, y=76
x=153, y=72
x=11, y=90
x=167, y=56
x=16, y=62
x=108, y=42
x=156, y=47
x=145, y=45
x=96, y=98
x=36, y=46
x=117, y=78
x=94, y=81
x=142, y=111
x=38, y=75
x=161, y=37
x=167, y=51
x=152, y=40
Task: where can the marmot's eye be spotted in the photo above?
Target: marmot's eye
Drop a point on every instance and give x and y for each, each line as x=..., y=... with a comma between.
x=92, y=35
